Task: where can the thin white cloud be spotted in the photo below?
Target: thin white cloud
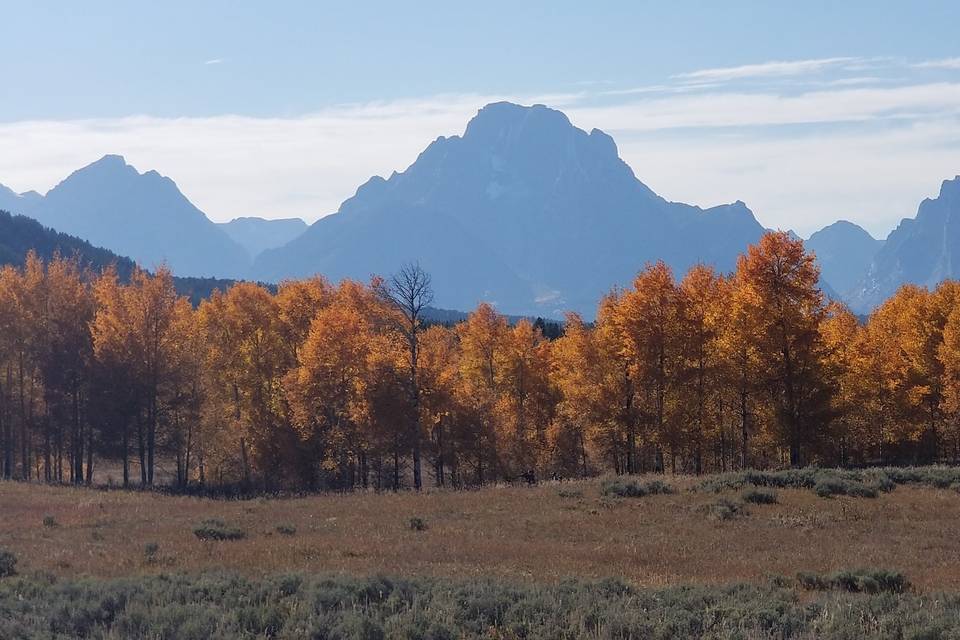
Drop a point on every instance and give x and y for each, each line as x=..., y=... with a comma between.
x=944, y=63
x=214, y=61
x=742, y=109
x=661, y=88
x=765, y=70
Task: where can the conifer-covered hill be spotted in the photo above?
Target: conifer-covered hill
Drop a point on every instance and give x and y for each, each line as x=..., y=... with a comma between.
x=19, y=235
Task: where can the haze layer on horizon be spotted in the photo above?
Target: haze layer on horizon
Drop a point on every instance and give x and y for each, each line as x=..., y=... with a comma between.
x=809, y=113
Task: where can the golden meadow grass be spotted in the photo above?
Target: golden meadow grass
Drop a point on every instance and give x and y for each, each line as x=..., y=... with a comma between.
x=542, y=534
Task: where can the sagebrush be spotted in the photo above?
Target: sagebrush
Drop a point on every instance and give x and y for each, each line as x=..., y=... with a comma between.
x=299, y=606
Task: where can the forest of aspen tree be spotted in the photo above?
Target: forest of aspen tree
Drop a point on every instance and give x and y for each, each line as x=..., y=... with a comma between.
x=319, y=386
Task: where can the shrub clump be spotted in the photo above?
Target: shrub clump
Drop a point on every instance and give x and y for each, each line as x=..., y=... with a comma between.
x=570, y=493
x=8, y=564
x=632, y=488
x=150, y=551
x=876, y=479
x=760, y=496
x=418, y=524
x=286, y=529
x=786, y=478
x=829, y=487
x=335, y=606
x=856, y=581
x=723, y=509
x=49, y=521
x=216, y=529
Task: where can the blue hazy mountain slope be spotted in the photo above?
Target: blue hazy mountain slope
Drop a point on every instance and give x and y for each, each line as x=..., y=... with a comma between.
x=144, y=216
x=923, y=250
x=19, y=235
x=549, y=214
x=20, y=203
x=256, y=235
x=363, y=244
x=844, y=252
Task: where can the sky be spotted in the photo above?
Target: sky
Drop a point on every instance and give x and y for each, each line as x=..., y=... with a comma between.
x=807, y=111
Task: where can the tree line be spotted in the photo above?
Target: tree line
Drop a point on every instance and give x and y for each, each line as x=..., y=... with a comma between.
x=317, y=386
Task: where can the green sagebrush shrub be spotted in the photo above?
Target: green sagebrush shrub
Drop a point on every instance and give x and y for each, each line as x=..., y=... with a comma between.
x=633, y=488
x=723, y=509
x=875, y=479
x=759, y=496
x=864, y=483
x=216, y=529
x=8, y=563
x=856, y=581
x=829, y=487
x=218, y=606
x=418, y=524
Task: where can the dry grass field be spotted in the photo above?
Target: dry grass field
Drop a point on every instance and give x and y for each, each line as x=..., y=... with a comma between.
x=539, y=534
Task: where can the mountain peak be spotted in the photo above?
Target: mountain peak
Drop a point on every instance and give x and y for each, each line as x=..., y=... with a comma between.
x=21, y=203
x=511, y=211
x=844, y=251
x=499, y=120
x=115, y=158
x=257, y=235
x=922, y=250
x=950, y=187
x=845, y=227
x=605, y=141
x=112, y=160
x=144, y=215
x=109, y=166
x=510, y=112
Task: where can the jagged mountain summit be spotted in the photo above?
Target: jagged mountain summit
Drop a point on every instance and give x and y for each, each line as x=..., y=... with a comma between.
x=523, y=210
x=844, y=252
x=923, y=250
x=142, y=215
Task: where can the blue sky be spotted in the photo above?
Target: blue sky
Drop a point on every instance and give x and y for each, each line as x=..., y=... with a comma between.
x=808, y=111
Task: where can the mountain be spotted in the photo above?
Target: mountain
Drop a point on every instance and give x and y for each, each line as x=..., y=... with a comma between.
x=18, y=202
x=143, y=215
x=20, y=234
x=523, y=210
x=923, y=250
x=844, y=252
x=256, y=235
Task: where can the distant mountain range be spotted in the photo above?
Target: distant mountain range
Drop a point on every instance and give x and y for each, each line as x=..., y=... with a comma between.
x=844, y=251
x=923, y=250
x=256, y=235
x=145, y=216
x=523, y=210
x=19, y=235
